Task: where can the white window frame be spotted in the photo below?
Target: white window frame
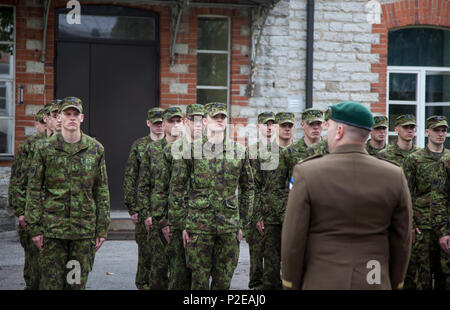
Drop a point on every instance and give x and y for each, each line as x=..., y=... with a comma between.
x=228, y=52
x=420, y=103
x=11, y=79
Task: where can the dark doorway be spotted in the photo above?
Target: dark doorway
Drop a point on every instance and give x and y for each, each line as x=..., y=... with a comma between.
x=110, y=61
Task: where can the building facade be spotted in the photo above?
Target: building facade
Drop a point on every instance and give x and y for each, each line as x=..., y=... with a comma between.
x=125, y=56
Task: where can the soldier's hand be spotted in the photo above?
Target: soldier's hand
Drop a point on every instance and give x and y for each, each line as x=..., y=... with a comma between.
x=166, y=232
x=98, y=243
x=185, y=237
x=148, y=224
x=445, y=244
x=240, y=235
x=134, y=218
x=260, y=226
x=22, y=222
x=38, y=241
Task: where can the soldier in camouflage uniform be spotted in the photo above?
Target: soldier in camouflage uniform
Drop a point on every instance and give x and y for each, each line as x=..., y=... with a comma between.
x=259, y=153
x=155, y=214
x=422, y=168
x=377, y=141
x=17, y=200
x=171, y=192
x=215, y=216
x=155, y=123
x=319, y=148
x=72, y=221
x=405, y=126
x=269, y=214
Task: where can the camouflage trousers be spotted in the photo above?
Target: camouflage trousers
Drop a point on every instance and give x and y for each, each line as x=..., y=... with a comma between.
x=179, y=274
x=212, y=255
x=144, y=255
x=159, y=262
x=429, y=262
x=56, y=273
x=31, y=273
x=255, y=247
x=272, y=257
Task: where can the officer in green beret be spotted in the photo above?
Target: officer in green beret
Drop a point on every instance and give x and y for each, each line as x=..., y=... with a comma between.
x=71, y=224
x=423, y=171
x=377, y=141
x=155, y=124
x=334, y=227
x=405, y=127
x=155, y=214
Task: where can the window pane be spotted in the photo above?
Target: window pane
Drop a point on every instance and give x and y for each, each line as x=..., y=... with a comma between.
x=212, y=69
x=395, y=110
x=6, y=129
x=213, y=34
x=402, y=86
x=437, y=88
x=108, y=27
x=5, y=98
x=419, y=47
x=6, y=59
x=6, y=24
x=205, y=96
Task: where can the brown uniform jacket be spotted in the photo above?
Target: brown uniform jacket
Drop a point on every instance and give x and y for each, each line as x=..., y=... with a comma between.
x=345, y=210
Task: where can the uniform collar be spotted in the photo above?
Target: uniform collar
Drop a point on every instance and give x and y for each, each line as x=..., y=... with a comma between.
x=71, y=148
x=350, y=148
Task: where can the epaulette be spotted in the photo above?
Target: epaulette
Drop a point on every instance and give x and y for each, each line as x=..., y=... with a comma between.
x=310, y=157
x=388, y=160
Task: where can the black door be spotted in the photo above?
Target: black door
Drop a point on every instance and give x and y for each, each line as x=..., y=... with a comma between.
x=115, y=76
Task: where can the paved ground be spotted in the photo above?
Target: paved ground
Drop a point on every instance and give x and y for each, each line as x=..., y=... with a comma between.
x=114, y=266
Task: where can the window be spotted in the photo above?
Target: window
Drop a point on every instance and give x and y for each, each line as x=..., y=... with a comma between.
x=213, y=59
x=6, y=79
x=418, y=77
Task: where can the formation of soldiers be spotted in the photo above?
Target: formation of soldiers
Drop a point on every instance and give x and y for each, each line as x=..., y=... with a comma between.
x=191, y=212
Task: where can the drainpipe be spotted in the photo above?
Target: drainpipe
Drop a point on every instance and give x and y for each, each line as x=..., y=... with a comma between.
x=309, y=54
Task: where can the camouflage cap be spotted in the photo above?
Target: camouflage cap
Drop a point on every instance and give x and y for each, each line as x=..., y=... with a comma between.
x=405, y=119
x=264, y=117
x=353, y=114
x=155, y=115
x=436, y=121
x=72, y=102
x=195, y=109
x=48, y=106
x=39, y=117
x=215, y=108
x=172, y=112
x=284, y=117
x=312, y=115
x=380, y=121
x=57, y=105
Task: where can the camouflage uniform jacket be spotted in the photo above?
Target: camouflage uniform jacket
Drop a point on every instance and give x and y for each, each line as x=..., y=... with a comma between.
x=397, y=155
x=371, y=150
x=294, y=153
x=75, y=184
x=132, y=173
x=212, y=206
x=151, y=172
x=171, y=189
x=319, y=148
x=263, y=167
x=19, y=173
x=440, y=201
x=422, y=169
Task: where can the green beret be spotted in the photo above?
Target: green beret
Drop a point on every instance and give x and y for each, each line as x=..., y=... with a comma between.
x=353, y=114
x=312, y=115
x=380, y=121
x=195, y=109
x=215, y=108
x=405, y=119
x=172, y=112
x=264, y=117
x=155, y=115
x=436, y=121
x=284, y=117
x=72, y=102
